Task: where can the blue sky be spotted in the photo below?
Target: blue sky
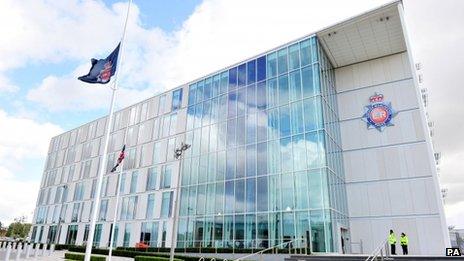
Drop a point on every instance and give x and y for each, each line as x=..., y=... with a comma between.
x=50, y=43
x=156, y=13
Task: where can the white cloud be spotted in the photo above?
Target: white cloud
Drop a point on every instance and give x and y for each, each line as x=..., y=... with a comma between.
x=217, y=34
x=21, y=140
x=6, y=85
x=66, y=93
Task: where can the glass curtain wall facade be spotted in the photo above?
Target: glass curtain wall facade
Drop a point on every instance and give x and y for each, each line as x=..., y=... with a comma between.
x=265, y=165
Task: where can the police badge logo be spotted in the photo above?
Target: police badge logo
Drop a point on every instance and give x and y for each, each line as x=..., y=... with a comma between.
x=378, y=114
x=105, y=74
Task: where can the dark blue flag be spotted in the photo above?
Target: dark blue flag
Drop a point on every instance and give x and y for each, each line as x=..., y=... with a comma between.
x=102, y=70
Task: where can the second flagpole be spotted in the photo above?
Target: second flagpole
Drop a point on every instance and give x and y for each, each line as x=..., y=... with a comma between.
x=88, y=249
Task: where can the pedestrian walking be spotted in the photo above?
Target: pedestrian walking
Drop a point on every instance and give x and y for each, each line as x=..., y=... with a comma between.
x=404, y=243
x=392, y=242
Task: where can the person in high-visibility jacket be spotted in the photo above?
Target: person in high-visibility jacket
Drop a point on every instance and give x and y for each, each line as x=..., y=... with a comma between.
x=404, y=243
x=392, y=242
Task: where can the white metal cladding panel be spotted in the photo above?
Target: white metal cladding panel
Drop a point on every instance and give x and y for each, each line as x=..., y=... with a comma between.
x=421, y=231
x=142, y=206
x=142, y=180
x=407, y=128
x=391, y=197
x=401, y=94
x=135, y=233
x=80, y=234
x=78, y=153
x=145, y=132
x=185, y=90
x=101, y=127
x=373, y=72
x=181, y=120
x=430, y=243
x=147, y=151
x=403, y=161
x=86, y=211
x=367, y=38
x=110, y=209
x=105, y=234
x=96, y=147
x=94, y=167
x=153, y=107
x=174, y=175
x=63, y=232
x=112, y=184
x=87, y=188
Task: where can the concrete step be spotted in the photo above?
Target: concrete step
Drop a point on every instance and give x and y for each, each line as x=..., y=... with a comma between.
x=363, y=257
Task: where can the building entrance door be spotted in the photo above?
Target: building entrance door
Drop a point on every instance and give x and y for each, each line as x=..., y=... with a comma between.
x=343, y=244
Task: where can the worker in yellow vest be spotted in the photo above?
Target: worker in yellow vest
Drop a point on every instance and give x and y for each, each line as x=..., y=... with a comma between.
x=392, y=242
x=404, y=243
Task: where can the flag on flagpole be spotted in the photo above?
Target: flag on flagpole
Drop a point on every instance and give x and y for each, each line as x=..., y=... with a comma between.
x=102, y=69
x=120, y=158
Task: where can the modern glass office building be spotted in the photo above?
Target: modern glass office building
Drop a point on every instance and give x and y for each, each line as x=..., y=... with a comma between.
x=279, y=151
x=265, y=165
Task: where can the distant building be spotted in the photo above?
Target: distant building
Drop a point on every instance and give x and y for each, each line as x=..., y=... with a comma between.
x=457, y=238
x=322, y=138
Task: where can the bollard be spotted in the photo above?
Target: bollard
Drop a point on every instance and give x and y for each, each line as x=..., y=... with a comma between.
x=36, y=253
x=44, y=249
x=8, y=252
x=19, y=247
x=28, y=250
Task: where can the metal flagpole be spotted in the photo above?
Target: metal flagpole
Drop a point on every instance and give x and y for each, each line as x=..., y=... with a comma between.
x=118, y=188
x=88, y=249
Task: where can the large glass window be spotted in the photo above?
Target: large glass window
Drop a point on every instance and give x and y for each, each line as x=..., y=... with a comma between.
x=150, y=206
x=261, y=68
x=251, y=71
x=293, y=56
x=166, y=204
x=152, y=176
x=271, y=65
x=282, y=61
x=241, y=75
x=103, y=210
x=133, y=183
x=149, y=233
x=305, y=52
x=232, y=78
x=176, y=99
x=127, y=235
x=283, y=90
x=166, y=173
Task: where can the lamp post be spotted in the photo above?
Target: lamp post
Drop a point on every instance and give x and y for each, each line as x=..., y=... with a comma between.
x=178, y=155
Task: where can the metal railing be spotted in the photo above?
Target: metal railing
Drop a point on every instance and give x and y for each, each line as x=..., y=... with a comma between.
x=382, y=251
x=289, y=244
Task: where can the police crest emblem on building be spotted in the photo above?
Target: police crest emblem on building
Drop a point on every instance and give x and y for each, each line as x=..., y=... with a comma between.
x=378, y=114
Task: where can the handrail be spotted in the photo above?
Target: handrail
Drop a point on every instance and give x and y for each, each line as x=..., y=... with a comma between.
x=378, y=250
x=273, y=247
